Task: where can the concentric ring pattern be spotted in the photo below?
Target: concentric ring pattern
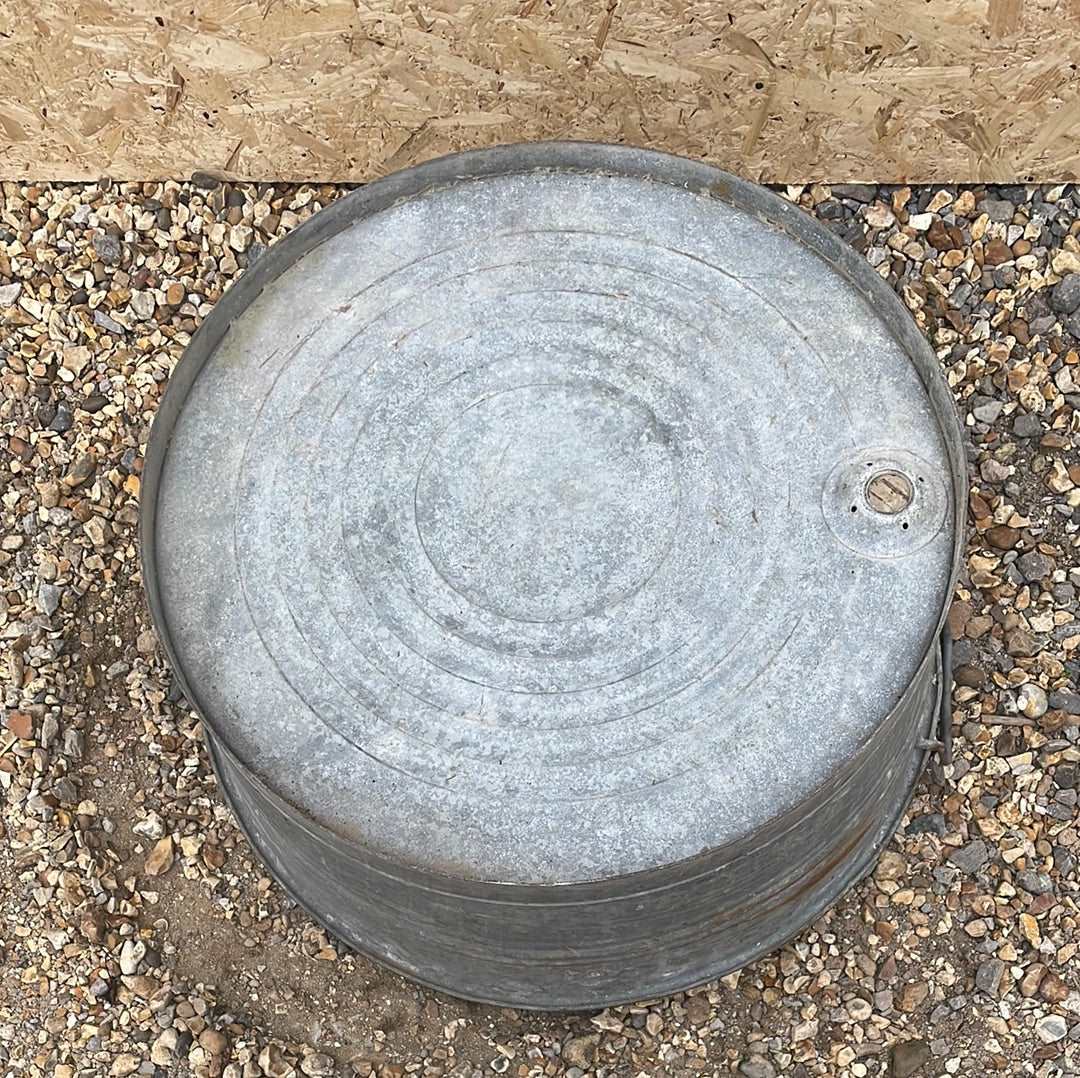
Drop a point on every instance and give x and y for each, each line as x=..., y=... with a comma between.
x=492, y=532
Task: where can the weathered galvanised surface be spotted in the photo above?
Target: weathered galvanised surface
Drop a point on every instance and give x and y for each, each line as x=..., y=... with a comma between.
x=555, y=541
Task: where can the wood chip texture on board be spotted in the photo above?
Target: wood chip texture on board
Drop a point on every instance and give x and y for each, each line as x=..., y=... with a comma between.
x=899, y=90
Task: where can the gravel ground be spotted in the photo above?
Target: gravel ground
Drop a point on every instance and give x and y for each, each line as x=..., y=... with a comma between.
x=139, y=936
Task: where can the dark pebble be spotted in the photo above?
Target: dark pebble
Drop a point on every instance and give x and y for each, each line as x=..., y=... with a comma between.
x=205, y=181
x=1035, y=566
x=61, y=422
x=176, y=693
x=66, y=791
x=1065, y=776
x=1035, y=883
x=971, y=857
x=1065, y=297
x=108, y=248
x=92, y=404
x=1065, y=701
x=960, y=295
x=998, y=209
x=969, y=676
x=1063, y=593
x=1003, y=537
x=963, y=652
x=988, y=976
x=940, y=1013
x=909, y=1057
x=1021, y=643
x=930, y=823
x=857, y=192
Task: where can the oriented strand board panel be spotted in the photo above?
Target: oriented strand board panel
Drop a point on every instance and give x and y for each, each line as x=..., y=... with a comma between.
x=906, y=90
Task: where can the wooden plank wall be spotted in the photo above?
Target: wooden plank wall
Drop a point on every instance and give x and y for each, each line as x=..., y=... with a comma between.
x=903, y=90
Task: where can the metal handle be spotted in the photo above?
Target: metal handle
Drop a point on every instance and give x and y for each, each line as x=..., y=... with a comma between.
x=942, y=744
x=945, y=753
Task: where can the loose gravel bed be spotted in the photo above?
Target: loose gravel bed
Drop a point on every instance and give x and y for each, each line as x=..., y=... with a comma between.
x=139, y=936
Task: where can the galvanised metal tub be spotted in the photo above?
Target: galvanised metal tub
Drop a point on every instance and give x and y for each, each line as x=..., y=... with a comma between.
x=556, y=542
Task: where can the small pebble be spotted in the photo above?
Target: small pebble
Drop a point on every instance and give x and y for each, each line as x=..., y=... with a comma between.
x=1051, y=1028
x=908, y=1057
x=988, y=976
x=108, y=248
x=1032, y=700
x=971, y=857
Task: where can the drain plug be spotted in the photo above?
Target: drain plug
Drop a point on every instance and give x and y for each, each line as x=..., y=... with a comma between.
x=889, y=492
